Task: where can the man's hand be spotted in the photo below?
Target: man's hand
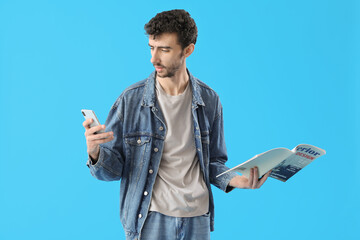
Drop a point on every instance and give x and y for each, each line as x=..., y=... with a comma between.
x=253, y=182
x=94, y=140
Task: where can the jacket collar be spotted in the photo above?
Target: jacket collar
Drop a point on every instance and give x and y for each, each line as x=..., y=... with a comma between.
x=149, y=97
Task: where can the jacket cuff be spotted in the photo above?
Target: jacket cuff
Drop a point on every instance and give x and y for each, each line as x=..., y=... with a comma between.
x=226, y=181
x=90, y=162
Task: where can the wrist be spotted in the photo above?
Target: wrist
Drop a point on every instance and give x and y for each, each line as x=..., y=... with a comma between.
x=94, y=156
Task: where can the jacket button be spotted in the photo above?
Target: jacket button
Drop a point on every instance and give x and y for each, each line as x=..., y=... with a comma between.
x=151, y=171
x=146, y=193
x=156, y=149
x=140, y=216
x=139, y=141
x=161, y=128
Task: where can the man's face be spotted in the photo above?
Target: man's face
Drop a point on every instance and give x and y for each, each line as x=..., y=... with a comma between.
x=166, y=54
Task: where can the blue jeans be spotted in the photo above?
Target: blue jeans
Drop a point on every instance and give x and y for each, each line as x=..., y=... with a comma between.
x=161, y=227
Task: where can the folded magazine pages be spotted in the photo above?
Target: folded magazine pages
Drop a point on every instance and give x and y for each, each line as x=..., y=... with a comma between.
x=283, y=162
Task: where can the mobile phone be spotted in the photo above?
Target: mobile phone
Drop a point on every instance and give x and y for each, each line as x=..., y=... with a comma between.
x=90, y=114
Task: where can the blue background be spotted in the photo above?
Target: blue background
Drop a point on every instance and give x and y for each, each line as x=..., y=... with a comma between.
x=287, y=72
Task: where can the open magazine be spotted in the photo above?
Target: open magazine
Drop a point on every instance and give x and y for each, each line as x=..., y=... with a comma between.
x=284, y=163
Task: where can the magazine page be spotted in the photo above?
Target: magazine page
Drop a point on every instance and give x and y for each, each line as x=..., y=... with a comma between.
x=265, y=162
x=303, y=155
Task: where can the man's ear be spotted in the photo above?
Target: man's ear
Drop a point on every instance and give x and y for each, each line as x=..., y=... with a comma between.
x=189, y=50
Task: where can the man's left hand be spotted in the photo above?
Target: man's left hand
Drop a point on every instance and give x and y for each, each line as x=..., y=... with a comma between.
x=253, y=182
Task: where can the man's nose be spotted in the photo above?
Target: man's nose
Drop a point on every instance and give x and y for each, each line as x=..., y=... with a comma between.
x=154, y=57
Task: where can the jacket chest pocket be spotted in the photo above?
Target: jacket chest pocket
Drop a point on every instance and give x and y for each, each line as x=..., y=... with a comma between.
x=137, y=152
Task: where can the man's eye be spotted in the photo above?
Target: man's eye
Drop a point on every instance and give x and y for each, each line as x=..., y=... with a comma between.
x=165, y=50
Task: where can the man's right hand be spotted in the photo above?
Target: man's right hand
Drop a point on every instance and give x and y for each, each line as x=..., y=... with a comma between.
x=94, y=140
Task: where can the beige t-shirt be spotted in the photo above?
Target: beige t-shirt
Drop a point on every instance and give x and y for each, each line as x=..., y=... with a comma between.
x=179, y=188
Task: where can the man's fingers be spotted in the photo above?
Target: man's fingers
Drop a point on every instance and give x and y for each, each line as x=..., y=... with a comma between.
x=95, y=129
x=251, y=177
x=264, y=178
x=103, y=140
x=100, y=136
x=87, y=123
x=256, y=177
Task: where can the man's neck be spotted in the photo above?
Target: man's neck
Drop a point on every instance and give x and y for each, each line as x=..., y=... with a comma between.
x=175, y=85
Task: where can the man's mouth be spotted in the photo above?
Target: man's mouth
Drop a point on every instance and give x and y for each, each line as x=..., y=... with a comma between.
x=159, y=68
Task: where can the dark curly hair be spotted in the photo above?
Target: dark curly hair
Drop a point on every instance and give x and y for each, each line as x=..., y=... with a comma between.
x=174, y=21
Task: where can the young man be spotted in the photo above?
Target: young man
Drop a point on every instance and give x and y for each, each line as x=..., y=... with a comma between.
x=164, y=139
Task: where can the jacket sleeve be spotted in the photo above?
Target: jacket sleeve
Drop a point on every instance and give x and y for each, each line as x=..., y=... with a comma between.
x=109, y=166
x=218, y=154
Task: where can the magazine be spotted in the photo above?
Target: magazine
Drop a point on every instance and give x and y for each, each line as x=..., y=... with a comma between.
x=283, y=162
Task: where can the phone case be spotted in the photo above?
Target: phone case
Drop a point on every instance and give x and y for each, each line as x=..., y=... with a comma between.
x=90, y=114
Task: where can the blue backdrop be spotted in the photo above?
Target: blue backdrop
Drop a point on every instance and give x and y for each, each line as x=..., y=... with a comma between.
x=287, y=72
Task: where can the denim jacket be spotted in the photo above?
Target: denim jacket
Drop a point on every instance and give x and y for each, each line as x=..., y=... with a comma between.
x=135, y=153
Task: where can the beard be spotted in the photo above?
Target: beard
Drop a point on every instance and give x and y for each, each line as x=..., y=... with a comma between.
x=171, y=70
x=168, y=71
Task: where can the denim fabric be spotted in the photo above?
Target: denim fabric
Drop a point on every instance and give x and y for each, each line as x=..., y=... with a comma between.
x=161, y=227
x=135, y=153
